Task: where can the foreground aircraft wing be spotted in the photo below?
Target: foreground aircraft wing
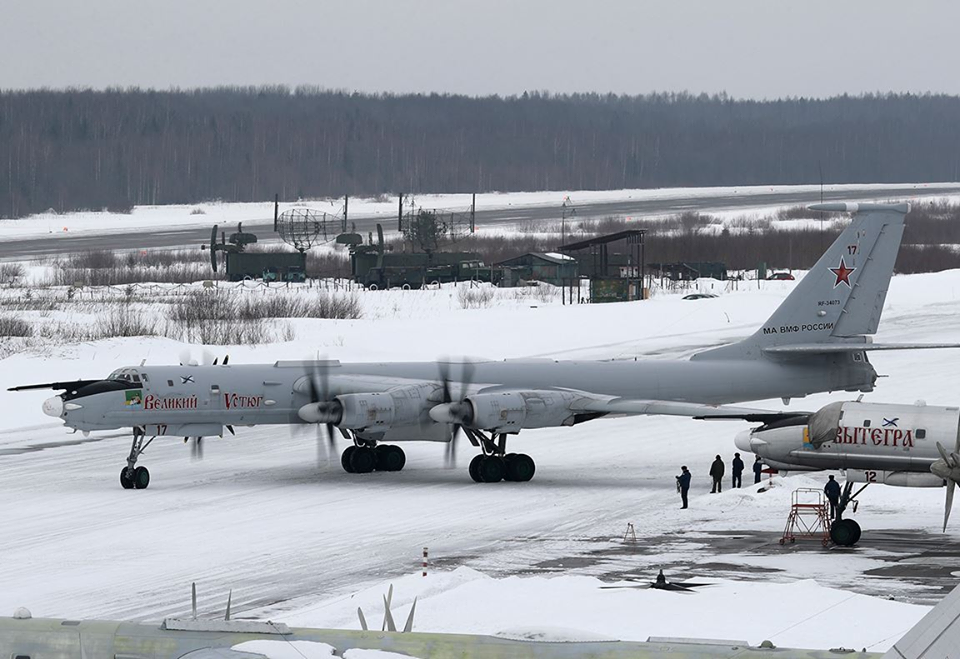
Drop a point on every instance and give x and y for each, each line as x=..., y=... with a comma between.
x=634, y=406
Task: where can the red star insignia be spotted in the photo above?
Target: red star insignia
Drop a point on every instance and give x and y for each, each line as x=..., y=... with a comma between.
x=842, y=273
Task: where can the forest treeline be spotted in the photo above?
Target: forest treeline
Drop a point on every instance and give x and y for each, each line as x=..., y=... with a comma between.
x=88, y=150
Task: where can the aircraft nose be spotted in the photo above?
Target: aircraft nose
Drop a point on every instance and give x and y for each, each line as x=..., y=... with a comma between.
x=743, y=440
x=53, y=406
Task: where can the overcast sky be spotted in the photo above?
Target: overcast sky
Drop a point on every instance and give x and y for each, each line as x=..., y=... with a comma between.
x=748, y=48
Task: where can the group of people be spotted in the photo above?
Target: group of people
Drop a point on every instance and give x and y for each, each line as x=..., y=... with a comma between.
x=717, y=470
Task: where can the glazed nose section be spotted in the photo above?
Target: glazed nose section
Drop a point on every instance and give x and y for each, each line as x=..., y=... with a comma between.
x=743, y=440
x=53, y=406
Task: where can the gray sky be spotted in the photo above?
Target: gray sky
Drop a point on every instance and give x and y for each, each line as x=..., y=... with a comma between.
x=748, y=48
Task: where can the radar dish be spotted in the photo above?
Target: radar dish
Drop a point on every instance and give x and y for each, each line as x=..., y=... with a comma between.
x=302, y=228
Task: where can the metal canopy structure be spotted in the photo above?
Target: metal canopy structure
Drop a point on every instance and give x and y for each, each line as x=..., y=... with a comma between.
x=631, y=273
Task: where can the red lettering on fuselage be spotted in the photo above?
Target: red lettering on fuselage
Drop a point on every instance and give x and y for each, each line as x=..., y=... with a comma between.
x=231, y=401
x=151, y=402
x=893, y=437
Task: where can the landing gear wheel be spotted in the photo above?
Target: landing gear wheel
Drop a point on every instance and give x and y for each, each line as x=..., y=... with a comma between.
x=125, y=481
x=141, y=478
x=345, y=459
x=491, y=469
x=475, y=468
x=390, y=458
x=363, y=460
x=519, y=467
x=845, y=532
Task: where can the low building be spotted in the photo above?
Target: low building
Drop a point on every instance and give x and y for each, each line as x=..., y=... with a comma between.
x=547, y=267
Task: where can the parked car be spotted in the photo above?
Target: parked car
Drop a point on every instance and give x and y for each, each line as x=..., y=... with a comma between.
x=781, y=276
x=698, y=296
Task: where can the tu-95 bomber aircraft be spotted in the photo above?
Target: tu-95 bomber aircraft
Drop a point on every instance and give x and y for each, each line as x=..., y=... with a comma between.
x=899, y=445
x=817, y=340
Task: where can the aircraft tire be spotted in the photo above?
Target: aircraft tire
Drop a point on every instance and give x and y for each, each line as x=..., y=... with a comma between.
x=844, y=532
x=857, y=531
x=345, y=459
x=491, y=469
x=363, y=460
x=390, y=458
x=125, y=482
x=520, y=467
x=475, y=468
x=141, y=478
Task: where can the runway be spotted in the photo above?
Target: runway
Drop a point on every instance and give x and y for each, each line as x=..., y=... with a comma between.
x=152, y=238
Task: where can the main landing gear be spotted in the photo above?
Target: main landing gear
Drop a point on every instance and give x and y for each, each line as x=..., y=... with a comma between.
x=133, y=477
x=366, y=457
x=846, y=532
x=494, y=464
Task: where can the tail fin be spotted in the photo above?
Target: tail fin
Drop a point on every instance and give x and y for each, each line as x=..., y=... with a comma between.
x=842, y=296
x=936, y=635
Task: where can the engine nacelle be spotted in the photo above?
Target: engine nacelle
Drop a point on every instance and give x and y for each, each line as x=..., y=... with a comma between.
x=379, y=411
x=895, y=478
x=510, y=411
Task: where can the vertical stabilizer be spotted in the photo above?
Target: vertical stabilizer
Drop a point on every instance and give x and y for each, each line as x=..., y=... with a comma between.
x=936, y=636
x=842, y=296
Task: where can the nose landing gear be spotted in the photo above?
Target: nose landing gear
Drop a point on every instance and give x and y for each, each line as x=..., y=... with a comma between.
x=133, y=477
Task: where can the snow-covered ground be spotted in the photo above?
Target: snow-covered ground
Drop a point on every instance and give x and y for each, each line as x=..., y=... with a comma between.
x=208, y=213
x=299, y=540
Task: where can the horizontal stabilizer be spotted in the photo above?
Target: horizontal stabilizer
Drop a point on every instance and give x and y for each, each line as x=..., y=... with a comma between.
x=821, y=348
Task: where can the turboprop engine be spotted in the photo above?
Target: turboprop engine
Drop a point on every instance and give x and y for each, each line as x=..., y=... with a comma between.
x=509, y=411
x=369, y=412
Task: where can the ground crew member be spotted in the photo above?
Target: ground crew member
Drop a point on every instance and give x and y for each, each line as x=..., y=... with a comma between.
x=683, y=484
x=757, y=469
x=832, y=490
x=716, y=473
x=737, y=465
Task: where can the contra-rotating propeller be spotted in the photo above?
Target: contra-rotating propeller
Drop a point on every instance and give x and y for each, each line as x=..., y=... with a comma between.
x=322, y=408
x=948, y=468
x=456, y=412
x=207, y=359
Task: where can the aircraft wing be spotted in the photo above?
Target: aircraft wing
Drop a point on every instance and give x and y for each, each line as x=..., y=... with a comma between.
x=815, y=348
x=635, y=406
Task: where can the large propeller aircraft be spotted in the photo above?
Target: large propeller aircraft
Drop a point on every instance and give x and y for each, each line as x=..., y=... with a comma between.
x=901, y=445
x=816, y=341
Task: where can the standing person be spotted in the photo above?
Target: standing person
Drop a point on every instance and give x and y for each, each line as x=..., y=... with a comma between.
x=716, y=473
x=737, y=465
x=683, y=484
x=757, y=469
x=832, y=490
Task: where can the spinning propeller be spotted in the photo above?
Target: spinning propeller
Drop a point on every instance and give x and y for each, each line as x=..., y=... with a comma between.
x=322, y=408
x=457, y=412
x=948, y=468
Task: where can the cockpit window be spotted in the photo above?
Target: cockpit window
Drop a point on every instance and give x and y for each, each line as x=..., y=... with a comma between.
x=125, y=375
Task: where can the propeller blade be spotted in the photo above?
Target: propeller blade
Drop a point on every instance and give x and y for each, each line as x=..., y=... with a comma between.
x=229, y=600
x=363, y=621
x=226, y=359
x=944, y=455
x=951, y=486
x=185, y=357
x=388, y=623
x=408, y=626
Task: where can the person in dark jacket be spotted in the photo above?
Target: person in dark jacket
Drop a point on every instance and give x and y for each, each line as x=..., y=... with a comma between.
x=832, y=490
x=683, y=484
x=737, y=466
x=716, y=473
x=757, y=469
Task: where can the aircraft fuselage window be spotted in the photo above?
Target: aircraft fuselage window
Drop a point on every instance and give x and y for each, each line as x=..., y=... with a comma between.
x=866, y=424
x=169, y=383
x=21, y=656
x=921, y=433
x=214, y=388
